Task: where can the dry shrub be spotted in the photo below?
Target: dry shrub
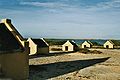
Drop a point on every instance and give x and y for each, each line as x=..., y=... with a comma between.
x=95, y=52
x=56, y=49
x=86, y=51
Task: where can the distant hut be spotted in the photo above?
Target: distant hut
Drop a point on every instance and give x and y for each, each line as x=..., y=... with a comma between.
x=13, y=53
x=38, y=46
x=87, y=44
x=90, y=44
x=112, y=44
x=70, y=46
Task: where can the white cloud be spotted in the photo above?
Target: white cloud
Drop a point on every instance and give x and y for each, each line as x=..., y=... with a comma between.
x=113, y=4
x=55, y=6
x=47, y=4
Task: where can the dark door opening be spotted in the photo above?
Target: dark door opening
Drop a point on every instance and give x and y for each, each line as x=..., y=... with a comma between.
x=84, y=46
x=66, y=48
x=107, y=46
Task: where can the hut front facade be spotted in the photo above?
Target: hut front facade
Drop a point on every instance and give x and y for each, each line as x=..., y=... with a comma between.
x=86, y=44
x=112, y=44
x=13, y=55
x=38, y=46
x=91, y=44
x=70, y=46
x=108, y=44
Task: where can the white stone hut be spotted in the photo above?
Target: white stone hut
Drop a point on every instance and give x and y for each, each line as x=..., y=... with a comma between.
x=87, y=44
x=112, y=44
x=38, y=46
x=70, y=46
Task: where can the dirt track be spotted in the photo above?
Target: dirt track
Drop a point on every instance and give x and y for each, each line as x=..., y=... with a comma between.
x=76, y=66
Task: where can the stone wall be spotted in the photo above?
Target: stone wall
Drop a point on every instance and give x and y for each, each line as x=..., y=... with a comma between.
x=15, y=64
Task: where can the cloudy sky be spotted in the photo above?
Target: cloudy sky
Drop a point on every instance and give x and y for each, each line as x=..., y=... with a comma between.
x=64, y=18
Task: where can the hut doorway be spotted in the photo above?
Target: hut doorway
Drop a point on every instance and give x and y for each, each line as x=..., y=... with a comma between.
x=85, y=46
x=66, y=48
x=0, y=69
x=107, y=46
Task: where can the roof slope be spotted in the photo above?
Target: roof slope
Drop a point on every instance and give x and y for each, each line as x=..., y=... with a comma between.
x=39, y=42
x=7, y=41
x=93, y=43
x=115, y=42
x=73, y=43
x=90, y=42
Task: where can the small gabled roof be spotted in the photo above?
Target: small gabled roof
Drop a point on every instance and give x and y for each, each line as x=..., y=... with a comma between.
x=89, y=42
x=73, y=43
x=111, y=41
x=115, y=42
x=40, y=42
x=93, y=43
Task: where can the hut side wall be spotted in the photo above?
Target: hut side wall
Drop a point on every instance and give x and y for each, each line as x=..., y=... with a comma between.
x=15, y=65
x=43, y=50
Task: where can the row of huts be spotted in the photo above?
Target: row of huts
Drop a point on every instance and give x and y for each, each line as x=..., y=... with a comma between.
x=72, y=46
x=40, y=46
x=15, y=50
x=108, y=44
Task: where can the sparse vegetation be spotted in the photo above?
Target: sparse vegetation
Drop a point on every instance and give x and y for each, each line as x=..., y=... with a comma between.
x=87, y=51
x=56, y=49
x=95, y=52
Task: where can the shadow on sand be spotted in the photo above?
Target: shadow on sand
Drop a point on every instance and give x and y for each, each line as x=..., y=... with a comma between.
x=49, y=54
x=47, y=71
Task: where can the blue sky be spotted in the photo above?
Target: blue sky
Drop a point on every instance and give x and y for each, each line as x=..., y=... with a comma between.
x=64, y=18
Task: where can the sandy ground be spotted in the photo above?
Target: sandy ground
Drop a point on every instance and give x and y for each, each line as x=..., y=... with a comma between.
x=76, y=66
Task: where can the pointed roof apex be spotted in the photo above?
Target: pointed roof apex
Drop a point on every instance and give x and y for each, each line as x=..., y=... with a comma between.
x=44, y=41
x=72, y=42
x=6, y=20
x=29, y=38
x=42, y=38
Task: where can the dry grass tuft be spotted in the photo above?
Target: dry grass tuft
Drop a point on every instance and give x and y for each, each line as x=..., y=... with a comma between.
x=86, y=51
